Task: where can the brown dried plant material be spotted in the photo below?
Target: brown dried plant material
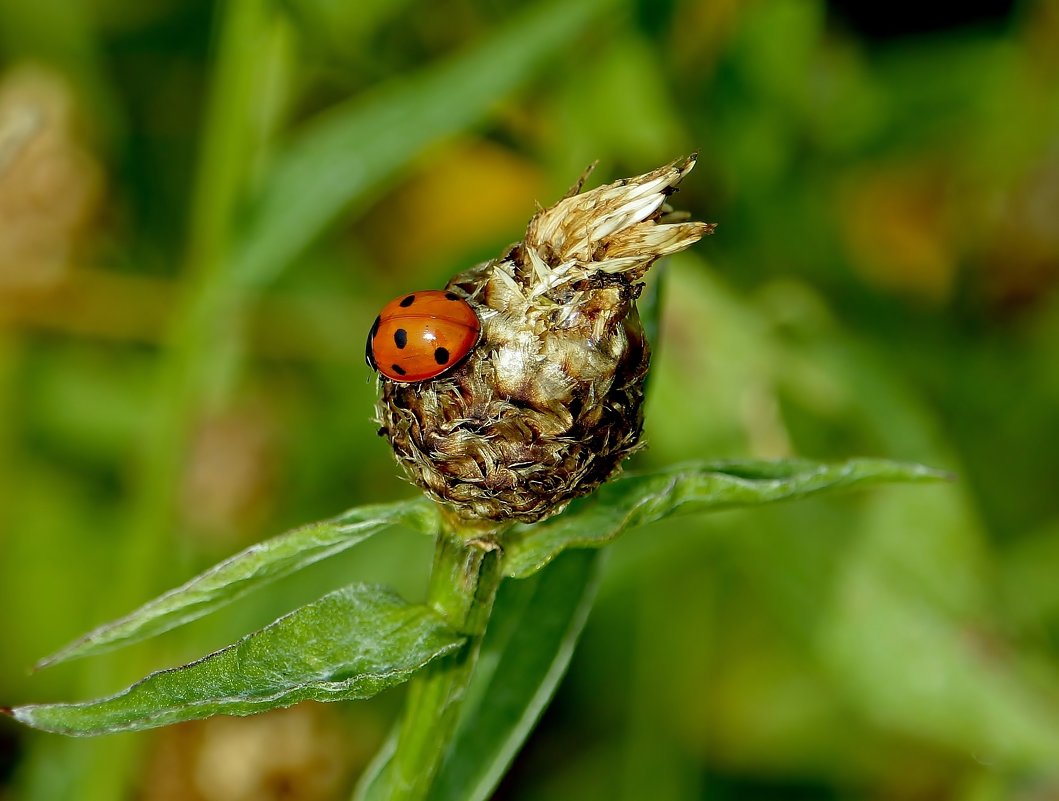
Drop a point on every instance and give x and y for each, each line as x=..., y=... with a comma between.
x=232, y=474
x=550, y=401
x=50, y=184
x=303, y=752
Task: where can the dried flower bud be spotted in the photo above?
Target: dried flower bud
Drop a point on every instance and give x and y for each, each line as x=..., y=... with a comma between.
x=550, y=401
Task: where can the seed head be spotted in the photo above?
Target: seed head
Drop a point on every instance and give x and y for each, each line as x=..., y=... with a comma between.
x=550, y=401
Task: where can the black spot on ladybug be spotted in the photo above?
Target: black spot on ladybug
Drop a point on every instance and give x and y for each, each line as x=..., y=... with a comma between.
x=451, y=296
x=441, y=356
x=400, y=337
x=397, y=369
x=406, y=302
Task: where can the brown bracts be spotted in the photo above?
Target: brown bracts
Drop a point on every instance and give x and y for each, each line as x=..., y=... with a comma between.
x=549, y=402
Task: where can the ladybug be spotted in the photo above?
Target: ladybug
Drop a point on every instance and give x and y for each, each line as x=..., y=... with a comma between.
x=421, y=335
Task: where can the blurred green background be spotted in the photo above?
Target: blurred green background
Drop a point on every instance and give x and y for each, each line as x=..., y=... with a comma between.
x=203, y=205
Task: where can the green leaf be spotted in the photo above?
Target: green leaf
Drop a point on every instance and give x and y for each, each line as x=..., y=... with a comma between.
x=535, y=626
x=374, y=784
x=929, y=675
x=353, y=148
x=352, y=643
x=918, y=651
x=636, y=500
x=257, y=565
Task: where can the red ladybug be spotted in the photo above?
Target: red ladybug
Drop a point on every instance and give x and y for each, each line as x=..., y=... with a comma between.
x=421, y=335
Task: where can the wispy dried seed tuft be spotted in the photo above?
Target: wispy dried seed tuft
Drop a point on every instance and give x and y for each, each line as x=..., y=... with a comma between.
x=550, y=401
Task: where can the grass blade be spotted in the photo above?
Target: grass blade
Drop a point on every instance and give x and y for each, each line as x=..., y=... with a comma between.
x=353, y=148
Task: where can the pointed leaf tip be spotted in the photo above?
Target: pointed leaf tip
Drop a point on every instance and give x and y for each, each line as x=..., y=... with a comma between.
x=352, y=643
x=251, y=568
x=634, y=500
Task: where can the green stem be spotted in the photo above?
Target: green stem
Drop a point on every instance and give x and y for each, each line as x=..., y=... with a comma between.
x=188, y=366
x=463, y=586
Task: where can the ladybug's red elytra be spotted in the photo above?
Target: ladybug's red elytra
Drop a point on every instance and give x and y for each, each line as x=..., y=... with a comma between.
x=420, y=335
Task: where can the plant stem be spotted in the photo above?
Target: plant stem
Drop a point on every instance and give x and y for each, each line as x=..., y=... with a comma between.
x=188, y=363
x=463, y=586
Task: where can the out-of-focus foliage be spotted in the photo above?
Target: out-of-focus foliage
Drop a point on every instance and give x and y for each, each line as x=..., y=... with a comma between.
x=884, y=281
